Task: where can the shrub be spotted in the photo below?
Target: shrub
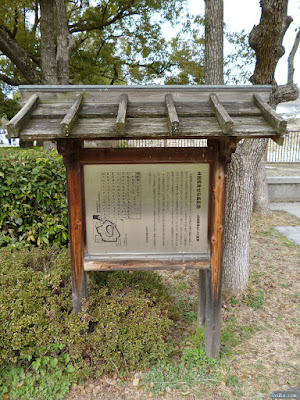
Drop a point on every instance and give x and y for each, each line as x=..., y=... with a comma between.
x=33, y=204
x=125, y=325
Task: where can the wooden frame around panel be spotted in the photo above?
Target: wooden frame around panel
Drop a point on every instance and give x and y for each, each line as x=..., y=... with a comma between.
x=149, y=155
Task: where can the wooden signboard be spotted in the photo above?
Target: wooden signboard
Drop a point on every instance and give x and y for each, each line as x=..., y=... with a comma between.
x=148, y=208
x=154, y=211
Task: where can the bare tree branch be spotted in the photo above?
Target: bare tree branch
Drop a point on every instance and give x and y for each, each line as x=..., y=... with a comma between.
x=291, y=58
x=120, y=15
x=19, y=57
x=36, y=18
x=290, y=91
x=11, y=81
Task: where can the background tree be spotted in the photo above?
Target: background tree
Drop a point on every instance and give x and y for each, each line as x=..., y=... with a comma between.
x=266, y=40
x=113, y=42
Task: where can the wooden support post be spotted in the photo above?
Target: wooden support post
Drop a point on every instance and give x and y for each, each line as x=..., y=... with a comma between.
x=214, y=275
x=224, y=120
x=173, y=120
x=70, y=150
x=121, y=117
x=201, y=298
x=15, y=125
x=71, y=117
x=279, y=139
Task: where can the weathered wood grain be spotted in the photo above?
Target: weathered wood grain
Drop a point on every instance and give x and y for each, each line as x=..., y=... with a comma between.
x=270, y=115
x=173, y=120
x=139, y=128
x=150, y=110
x=224, y=120
x=201, y=298
x=214, y=274
x=138, y=94
x=70, y=150
x=17, y=123
x=279, y=139
x=143, y=265
x=146, y=155
x=121, y=117
x=71, y=117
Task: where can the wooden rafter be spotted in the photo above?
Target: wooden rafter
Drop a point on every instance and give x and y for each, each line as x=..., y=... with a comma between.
x=173, y=120
x=153, y=112
x=270, y=115
x=121, y=117
x=18, y=122
x=71, y=117
x=224, y=120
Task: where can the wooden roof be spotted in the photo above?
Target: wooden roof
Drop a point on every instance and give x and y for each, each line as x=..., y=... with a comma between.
x=144, y=112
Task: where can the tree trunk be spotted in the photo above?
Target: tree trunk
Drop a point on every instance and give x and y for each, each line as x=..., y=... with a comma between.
x=261, y=202
x=266, y=39
x=65, y=43
x=214, y=42
x=55, y=55
x=239, y=203
x=48, y=50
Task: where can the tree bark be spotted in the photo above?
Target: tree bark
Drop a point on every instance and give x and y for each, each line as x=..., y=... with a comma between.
x=261, y=202
x=19, y=58
x=239, y=203
x=48, y=50
x=65, y=43
x=266, y=39
x=214, y=27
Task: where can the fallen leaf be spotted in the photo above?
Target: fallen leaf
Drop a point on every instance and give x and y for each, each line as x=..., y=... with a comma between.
x=135, y=382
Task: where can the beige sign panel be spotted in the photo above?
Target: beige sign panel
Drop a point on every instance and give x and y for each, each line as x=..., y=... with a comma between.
x=146, y=210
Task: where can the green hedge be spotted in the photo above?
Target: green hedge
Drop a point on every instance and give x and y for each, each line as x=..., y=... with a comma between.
x=126, y=325
x=33, y=204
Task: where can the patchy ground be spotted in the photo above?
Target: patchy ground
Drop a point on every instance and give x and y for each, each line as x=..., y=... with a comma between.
x=260, y=329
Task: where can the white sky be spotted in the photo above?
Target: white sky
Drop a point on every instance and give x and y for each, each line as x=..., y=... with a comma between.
x=239, y=14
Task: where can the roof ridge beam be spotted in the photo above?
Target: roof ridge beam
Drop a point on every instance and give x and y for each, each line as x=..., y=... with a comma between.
x=223, y=118
x=173, y=120
x=121, y=117
x=72, y=115
x=16, y=124
x=270, y=115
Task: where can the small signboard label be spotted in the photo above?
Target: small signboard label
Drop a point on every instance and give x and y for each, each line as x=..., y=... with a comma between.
x=146, y=209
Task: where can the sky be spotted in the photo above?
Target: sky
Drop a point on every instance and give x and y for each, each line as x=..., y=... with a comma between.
x=239, y=14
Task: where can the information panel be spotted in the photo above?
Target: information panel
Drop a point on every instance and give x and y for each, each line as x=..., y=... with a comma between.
x=146, y=209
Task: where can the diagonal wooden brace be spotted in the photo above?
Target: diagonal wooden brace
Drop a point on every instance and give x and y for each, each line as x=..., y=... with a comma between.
x=71, y=117
x=121, y=117
x=224, y=120
x=15, y=125
x=173, y=120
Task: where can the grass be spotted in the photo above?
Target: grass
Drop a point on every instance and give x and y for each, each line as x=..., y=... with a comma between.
x=259, y=329
x=259, y=338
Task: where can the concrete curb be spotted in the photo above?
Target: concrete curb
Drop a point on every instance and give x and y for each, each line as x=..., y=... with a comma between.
x=284, y=188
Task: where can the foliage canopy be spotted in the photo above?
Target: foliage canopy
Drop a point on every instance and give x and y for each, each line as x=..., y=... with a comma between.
x=113, y=42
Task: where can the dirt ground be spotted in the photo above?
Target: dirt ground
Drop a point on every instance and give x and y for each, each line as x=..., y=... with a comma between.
x=269, y=309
